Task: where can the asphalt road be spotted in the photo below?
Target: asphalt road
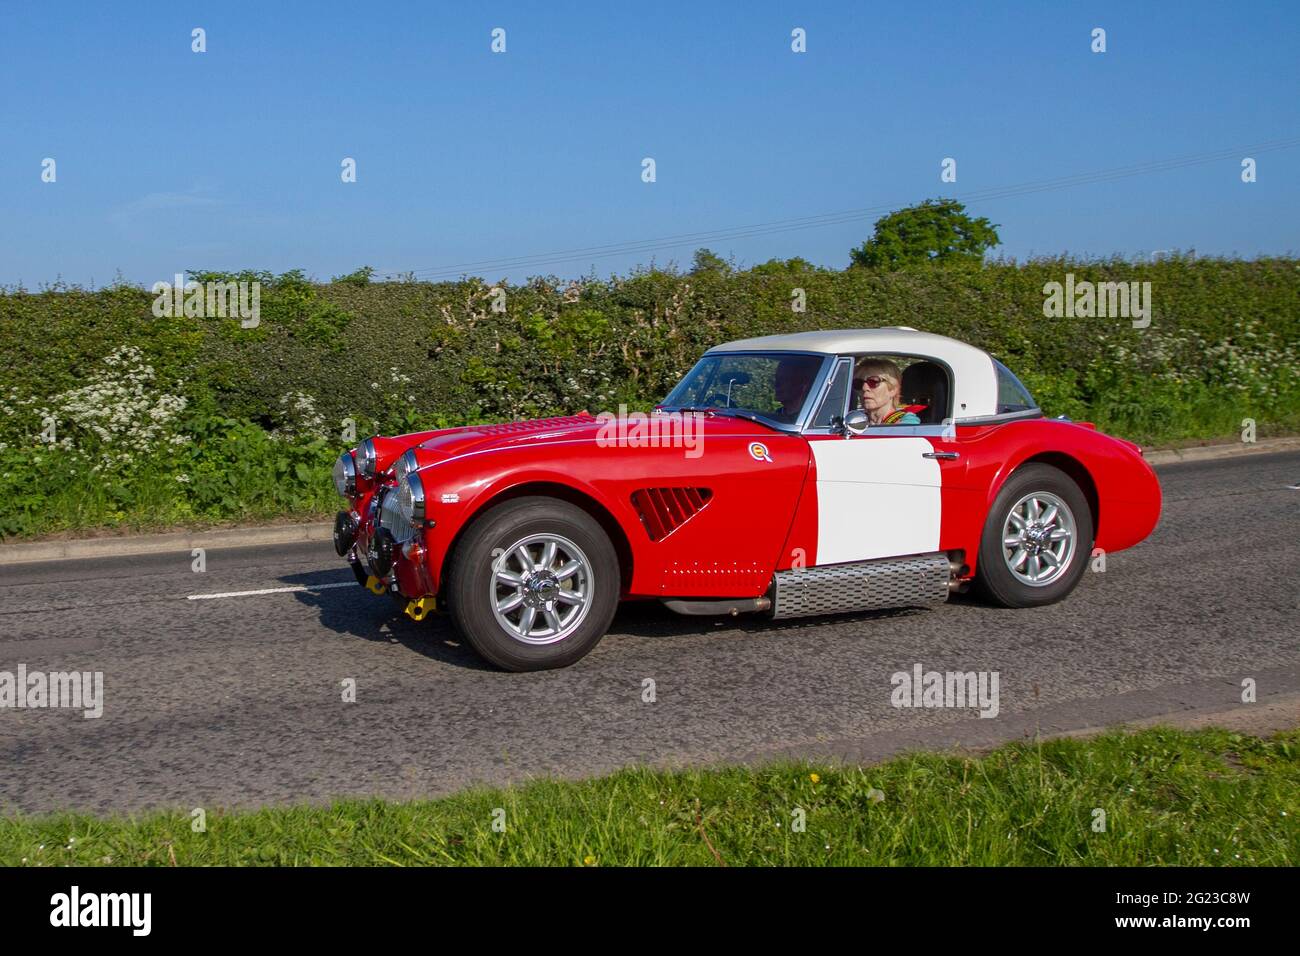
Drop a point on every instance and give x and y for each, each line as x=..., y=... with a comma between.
x=237, y=701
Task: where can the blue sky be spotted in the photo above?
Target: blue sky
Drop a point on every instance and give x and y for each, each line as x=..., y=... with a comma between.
x=171, y=160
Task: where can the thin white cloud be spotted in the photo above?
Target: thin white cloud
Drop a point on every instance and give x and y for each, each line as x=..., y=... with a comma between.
x=149, y=207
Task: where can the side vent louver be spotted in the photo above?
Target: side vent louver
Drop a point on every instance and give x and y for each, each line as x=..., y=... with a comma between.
x=664, y=510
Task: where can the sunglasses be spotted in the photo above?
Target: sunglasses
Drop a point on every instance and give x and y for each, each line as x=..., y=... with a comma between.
x=871, y=381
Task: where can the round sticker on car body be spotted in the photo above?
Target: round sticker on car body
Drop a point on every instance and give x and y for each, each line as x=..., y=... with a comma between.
x=758, y=451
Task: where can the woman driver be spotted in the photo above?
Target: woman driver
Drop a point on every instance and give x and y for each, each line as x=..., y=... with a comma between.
x=880, y=381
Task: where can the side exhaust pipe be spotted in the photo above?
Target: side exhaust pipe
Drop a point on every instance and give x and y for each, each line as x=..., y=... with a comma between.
x=957, y=569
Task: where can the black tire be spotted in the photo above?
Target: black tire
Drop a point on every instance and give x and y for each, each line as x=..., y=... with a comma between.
x=994, y=579
x=470, y=585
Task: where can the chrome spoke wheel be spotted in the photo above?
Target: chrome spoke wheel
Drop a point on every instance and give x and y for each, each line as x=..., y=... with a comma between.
x=541, y=589
x=1039, y=538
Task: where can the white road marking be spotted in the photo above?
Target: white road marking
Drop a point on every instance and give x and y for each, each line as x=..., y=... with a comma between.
x=299, y=587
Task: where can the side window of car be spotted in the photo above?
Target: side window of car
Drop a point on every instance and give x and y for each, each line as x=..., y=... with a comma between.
x=836, y=397
x=923, y=387
x=1012, y=396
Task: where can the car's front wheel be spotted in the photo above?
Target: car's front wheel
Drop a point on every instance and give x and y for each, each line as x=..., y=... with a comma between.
x=534, y=584
x=1037, y=538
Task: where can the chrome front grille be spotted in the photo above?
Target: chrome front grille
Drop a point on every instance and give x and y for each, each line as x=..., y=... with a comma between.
x=391, y=519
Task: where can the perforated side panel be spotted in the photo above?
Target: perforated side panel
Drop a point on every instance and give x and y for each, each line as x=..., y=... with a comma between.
x=862, y=585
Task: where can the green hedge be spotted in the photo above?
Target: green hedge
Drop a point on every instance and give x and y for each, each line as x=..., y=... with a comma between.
x=244, y=422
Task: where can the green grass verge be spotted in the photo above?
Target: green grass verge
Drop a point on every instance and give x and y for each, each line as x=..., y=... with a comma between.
x=1170, y=797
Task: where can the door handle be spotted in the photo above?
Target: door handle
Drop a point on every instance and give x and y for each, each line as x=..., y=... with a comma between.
x=946, y=455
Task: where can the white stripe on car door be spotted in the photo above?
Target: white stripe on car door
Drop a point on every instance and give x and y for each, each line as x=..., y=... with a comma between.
x=876, y=497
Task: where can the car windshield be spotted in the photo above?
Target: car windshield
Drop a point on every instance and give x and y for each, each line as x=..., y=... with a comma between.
x=769, y=386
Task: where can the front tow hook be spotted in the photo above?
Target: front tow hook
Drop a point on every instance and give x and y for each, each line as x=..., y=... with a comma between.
x=375, y=586
x=419, y=609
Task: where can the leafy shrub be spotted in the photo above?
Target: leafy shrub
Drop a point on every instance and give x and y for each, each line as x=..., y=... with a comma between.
x=249, y=420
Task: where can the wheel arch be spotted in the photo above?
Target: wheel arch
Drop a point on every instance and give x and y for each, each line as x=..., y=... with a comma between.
x=999, y=583
x=551, y=489
x=1075, y=470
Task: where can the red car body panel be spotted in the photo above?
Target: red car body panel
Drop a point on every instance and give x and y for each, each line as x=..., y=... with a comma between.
x=763, y=513
x=727, y=549
x=720, y=515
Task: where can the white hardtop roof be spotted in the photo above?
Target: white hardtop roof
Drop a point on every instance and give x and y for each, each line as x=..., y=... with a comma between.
x=846, y=341
x=975, y=388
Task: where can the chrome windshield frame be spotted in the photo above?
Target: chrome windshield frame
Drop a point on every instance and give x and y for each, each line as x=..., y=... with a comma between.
x=812, y=401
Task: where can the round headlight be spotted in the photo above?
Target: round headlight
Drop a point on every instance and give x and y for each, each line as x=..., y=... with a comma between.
x=366, y=458
x=410, y=500
x=345, y=475
x=405, y=465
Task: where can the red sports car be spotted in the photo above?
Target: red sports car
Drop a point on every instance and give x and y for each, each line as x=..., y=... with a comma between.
x=790, y=475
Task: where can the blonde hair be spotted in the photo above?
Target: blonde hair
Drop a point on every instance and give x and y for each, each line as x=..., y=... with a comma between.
x=882, y=367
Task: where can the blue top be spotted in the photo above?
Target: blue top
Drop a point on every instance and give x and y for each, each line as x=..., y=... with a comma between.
x=901, y=417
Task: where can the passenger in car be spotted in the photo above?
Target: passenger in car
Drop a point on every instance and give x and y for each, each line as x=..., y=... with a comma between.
x=879, y=382
x=791, y=383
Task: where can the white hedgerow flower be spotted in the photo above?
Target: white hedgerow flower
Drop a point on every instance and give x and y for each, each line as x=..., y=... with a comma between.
x=120, y=408
x=302, y=420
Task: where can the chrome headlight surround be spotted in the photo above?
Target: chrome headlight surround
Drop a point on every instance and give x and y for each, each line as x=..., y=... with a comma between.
x=345, y=475
x=405, y=465
x=366, y=458
x=410, y=500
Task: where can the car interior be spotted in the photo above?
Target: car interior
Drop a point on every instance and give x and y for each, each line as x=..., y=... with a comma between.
x=925, y=389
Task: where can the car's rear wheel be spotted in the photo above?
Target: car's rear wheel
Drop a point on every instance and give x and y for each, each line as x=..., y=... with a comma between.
x=1037, y=539
x=534, y=584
